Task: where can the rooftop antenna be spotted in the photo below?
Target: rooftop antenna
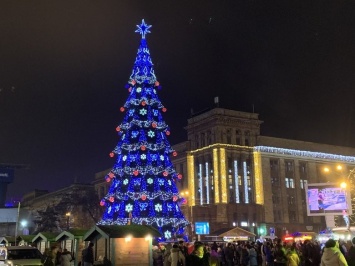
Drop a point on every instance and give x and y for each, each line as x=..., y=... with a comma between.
x=216, y=101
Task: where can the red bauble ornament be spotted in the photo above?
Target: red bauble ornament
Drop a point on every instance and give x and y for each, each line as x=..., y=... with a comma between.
x=108, y=179
x=143, y=148
x=129, y=89
x=111, y=199
x=167, y=132
x=175, y=198
x=157, y=83
x=102, y=203
x=174, y=153
x=164, y=109
x=122, y=109
x=118, y=129
x=165, y=173
x=112, y=154
x=179, y=176
x=111, y=175
x=144, y=197
x=143, y=103
x=135, y=172
x=154, y=124
x=133, y=82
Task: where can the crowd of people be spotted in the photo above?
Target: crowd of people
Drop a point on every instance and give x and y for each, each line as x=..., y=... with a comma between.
x=247, y=253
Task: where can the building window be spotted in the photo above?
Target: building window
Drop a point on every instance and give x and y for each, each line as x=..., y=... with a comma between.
x=229, y=136
x=247, y=138
x=275, y=199
x=209, y=138
x=292, y=216
x=197, y=141
x=289, y=166
x=275, y=181
x=238, y=138
x=274, y=165
x=289, y=182
x=303, y=183
x=291, y=200
x=202, y=139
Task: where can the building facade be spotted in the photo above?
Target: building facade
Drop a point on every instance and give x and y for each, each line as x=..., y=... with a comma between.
x=233, y=176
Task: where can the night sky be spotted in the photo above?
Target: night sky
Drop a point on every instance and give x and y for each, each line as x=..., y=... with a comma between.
x=64, y=65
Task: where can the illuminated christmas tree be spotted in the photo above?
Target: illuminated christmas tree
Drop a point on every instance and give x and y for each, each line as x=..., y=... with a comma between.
x=143, y=189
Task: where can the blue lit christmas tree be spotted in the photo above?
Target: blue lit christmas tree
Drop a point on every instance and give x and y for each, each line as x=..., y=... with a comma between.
x=143, y=189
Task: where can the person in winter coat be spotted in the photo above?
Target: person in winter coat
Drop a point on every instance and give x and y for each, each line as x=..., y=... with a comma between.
x=198, y=257
x=157, y=256
x=332, y=255
x=292, y=256
x=176, y=257
x=253, y=260
x=351, y=253
x=65, y=258
x=166, y=255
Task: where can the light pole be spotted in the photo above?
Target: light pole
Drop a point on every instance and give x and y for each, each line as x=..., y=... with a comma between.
x=68, y=217
x=17, y=221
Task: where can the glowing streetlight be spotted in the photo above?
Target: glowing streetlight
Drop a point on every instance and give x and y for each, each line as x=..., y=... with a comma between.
x=68, y=217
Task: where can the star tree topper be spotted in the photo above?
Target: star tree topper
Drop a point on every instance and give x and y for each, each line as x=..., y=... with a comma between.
x=143, y=29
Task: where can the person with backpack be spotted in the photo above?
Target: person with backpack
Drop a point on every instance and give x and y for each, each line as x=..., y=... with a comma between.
x=280, y=258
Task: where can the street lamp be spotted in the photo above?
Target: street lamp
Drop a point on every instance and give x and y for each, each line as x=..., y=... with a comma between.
x=68, y=217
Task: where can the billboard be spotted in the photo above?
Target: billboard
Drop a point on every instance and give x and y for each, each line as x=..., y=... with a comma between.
x=6, y=175
x=327, y=199
x=202, y=228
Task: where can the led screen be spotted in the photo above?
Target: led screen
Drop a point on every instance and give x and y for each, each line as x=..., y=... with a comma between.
x=327, y=199
x=202, y=228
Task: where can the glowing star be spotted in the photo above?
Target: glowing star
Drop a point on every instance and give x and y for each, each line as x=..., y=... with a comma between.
x=143, y=156
x=161, y=157
x=143, y=111
x=130, y=112
x=143, y=29
x=125, y=182
x=139, y=89
x=151, y=134
x=150, y=181
x=167, y=234
x=158, y=207
x=129, y=207
x=124, y=158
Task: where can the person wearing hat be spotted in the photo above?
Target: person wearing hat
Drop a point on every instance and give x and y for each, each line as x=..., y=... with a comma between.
x=332, y=254
x=351, y=253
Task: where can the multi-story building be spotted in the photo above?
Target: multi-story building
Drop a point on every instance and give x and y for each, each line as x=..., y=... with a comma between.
x=233, y=176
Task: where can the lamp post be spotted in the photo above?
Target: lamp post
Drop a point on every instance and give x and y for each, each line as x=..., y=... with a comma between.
x=68, y=217
x=17, y=221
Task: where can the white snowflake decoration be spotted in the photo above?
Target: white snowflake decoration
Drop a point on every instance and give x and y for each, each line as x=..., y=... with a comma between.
x=137, y=182
x=167, y=234
x=131, y=112
x=170, y=207
x=158, y=207
x=139, y=89
x=109, y=209
x=125, y=182
x=161, y=157
x=124, y=158
x=155, y=112
x=151, y=134
x=169, y=182
x=161, y=182
x=150, y=181
x=154, y=157
x=142, y=111
x=143, y=156
x=129, y=207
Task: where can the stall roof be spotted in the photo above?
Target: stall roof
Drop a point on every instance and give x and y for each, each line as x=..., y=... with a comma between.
x=120, y=231
x=45, y=236
x=235, y=231
x=71, y=234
